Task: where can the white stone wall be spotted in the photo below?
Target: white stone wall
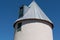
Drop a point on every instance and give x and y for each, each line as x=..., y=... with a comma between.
x=34, y=31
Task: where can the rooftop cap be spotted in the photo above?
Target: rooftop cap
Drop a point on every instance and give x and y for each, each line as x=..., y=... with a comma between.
x=33, y=11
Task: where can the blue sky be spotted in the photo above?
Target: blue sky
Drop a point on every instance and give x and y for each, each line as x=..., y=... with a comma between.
x=9, y=13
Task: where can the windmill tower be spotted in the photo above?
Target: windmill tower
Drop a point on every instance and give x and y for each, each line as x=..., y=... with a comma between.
x=33, y=24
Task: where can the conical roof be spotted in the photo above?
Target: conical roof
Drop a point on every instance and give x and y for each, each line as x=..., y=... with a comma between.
x=34, y=12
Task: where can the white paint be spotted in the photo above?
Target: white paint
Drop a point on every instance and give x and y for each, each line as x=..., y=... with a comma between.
x=34, y=31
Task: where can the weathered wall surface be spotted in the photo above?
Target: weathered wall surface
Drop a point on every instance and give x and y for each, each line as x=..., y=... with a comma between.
x=34, y=31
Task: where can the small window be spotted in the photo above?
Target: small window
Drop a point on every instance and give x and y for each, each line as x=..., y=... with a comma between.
x=19, y=27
